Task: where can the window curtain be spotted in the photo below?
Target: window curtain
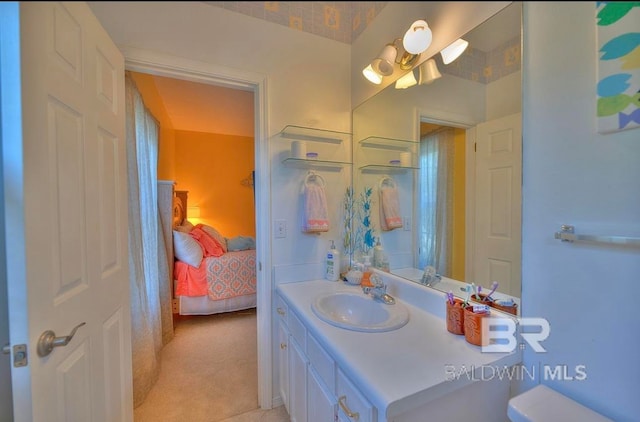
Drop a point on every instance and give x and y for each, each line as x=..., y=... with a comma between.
x=436, y=200
x=148, y=276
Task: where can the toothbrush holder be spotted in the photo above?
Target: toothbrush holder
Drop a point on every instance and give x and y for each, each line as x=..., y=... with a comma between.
x=473, y=326
x=511, y=308
x=482, y=299
x=455, y=317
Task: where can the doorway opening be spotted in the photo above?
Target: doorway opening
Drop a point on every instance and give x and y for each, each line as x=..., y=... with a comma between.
x=171, y=67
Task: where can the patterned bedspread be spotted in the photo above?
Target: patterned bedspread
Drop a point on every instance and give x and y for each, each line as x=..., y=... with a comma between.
x=232, y=274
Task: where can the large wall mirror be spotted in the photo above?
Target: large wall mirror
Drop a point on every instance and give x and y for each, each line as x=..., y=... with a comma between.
x=449, y=150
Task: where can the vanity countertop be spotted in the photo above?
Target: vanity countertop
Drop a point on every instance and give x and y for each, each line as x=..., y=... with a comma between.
x=402, y=369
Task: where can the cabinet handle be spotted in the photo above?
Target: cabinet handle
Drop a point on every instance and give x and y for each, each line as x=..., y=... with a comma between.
x=343, y=404
x=280, y=311
x=283, y=346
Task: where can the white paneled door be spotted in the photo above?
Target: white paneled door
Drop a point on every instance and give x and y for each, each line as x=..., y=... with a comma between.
x=498, y=212
x=69, y=263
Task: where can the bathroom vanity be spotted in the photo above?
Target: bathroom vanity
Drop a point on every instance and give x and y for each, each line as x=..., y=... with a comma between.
x=418, y=371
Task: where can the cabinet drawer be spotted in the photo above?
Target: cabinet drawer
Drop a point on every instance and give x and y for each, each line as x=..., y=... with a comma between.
x=321, y=362
x=297, y=330
x=282, y=310
x=351, y=401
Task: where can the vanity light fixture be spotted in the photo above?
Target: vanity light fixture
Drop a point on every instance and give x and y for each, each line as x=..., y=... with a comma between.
x=371, y=75
x=406, y=81
x=428, y=72
x=383, y=64
x=392, y=54
x=417, y=38
x=454, y=50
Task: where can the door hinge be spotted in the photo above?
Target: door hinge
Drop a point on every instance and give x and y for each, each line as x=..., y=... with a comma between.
x=475, y=147
x=19, y=354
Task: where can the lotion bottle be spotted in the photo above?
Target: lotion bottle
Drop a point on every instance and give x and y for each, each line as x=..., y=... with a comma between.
x=333, y=263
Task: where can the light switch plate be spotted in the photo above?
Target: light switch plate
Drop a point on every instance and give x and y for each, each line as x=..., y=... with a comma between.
x=280, y=229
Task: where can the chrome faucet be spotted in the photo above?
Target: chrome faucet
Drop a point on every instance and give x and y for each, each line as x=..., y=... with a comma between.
x=430, y=277
x=378, y=291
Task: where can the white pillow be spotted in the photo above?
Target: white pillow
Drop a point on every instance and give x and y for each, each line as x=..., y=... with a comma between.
x=187, y=249
x=216, y=235
x=186, y=227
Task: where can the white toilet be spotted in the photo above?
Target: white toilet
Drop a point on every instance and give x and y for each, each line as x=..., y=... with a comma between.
x=542, y=404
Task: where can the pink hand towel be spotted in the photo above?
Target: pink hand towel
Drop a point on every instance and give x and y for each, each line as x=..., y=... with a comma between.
x=390, y=217
x=315, y=214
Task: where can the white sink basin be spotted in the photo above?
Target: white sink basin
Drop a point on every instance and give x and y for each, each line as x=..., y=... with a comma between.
x=358, y=312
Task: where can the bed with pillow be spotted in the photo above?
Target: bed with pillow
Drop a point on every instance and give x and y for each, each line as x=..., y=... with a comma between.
x=212, y=274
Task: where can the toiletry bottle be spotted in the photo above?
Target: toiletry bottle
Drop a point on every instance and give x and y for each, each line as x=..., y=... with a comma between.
x=378, y=255
x=384, y=264
x=333, y=263
x=366, y=272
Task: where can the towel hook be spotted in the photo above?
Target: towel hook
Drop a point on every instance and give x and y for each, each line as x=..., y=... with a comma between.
x=313, y=176
x=386, y=180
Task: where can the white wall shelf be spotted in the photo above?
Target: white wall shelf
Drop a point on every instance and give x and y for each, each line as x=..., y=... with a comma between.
x=380, y=168
x=301, y=133
x=377, y=153
x=309, y=163
x=389, y=144
x=333, y=148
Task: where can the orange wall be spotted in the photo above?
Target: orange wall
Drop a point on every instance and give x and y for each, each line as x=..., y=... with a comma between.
x=211, y=167
x=152, y=100
x=459, y=208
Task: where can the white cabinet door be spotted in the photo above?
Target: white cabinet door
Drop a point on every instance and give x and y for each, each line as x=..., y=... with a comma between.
x=353, y=405
x=321, y=405
x=283, y=363
x=297, y=382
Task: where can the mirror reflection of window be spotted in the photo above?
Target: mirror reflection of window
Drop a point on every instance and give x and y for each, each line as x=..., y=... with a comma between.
x=436, y=200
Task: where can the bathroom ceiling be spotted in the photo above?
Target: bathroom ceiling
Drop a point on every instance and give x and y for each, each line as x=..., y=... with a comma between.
x=340, y=21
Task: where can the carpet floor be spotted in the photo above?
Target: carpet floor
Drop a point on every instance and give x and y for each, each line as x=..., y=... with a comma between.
x=209, y=373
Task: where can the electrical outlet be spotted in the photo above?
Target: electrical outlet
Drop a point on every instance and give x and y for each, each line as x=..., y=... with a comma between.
x=280, y=229
x=406, y=223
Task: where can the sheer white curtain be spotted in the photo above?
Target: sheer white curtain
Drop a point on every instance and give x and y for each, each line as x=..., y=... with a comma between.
x=436, y=200
x=148, y=277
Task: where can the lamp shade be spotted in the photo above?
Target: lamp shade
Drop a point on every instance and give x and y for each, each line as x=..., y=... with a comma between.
x=371, y=75
x=454, y=50
x=193, y=212
x=406, y=81
x=429, y=72
x=383, y=64
x=417, y=38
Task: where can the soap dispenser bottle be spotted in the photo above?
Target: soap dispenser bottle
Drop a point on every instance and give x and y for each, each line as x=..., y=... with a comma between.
x=366, y=272
x=333, y=263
